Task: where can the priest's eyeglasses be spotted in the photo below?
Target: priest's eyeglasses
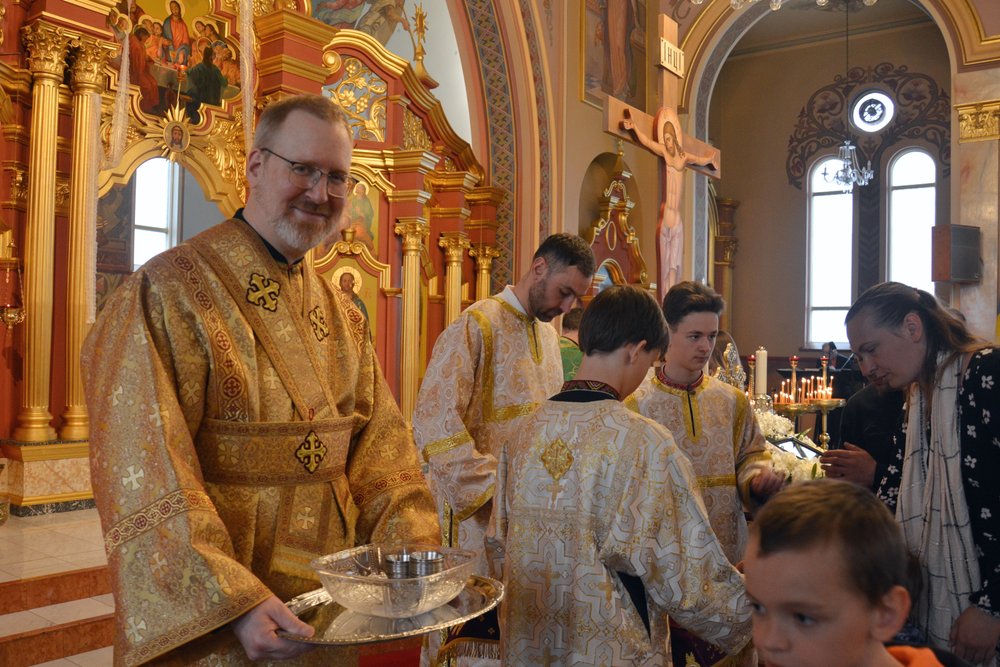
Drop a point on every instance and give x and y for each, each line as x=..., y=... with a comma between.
x=306, y=176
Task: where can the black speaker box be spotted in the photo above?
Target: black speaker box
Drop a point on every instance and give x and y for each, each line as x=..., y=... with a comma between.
x=955, y=254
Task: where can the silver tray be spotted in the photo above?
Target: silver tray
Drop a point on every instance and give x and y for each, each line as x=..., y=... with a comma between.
x=337, y=626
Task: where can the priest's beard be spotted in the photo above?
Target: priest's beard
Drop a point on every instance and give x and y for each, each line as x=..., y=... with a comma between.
x=302, y=235
x=536, y=301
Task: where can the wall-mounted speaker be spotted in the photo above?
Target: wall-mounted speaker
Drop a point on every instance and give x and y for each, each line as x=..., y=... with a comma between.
x=955, y=255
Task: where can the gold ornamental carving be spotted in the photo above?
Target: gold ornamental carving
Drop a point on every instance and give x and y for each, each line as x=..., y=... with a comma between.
x=413, y=234
x=727, y=245
x=978, y=122
x=18, y=186
x=89, y=59
x=46, y=47
x=484, y=255
x=414, y=134
x=261, y=7
x=454, y=245
x=62, y=195
x=3, y=18
x=227, y=150
x=362, y=95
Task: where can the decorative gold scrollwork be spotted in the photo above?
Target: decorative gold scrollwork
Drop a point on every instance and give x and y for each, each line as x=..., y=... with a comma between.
x=362, y=95
x=227, y=151
x=978, y=122
x=414, y=134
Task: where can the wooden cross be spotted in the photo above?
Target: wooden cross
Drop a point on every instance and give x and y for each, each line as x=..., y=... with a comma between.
x=663, y=136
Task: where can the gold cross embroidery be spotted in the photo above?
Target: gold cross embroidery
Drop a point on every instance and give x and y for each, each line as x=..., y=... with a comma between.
x=263, y=292
x=318, y=323
x=311, y=452
x=557, y=459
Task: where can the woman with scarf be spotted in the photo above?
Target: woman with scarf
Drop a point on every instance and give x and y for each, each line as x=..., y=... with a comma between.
x=947, y=505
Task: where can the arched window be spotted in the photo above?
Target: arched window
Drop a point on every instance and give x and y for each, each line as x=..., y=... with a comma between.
x=912, y=203
x=830, y=239
x=157, y=207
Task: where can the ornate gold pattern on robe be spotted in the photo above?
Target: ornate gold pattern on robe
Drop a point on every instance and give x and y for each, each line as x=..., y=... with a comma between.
x=241, y=427
x=617, y=496
x=720, y=437
x=489, y=369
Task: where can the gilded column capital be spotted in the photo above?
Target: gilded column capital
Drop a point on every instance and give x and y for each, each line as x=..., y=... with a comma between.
x=46, y=46
x=454, y=245
x=88, y=63
x=484, y=254
x=413, y=233
x=728, y=245
x=979, y=121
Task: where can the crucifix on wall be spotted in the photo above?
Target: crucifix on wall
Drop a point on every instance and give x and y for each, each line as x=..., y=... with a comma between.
x=662, y=135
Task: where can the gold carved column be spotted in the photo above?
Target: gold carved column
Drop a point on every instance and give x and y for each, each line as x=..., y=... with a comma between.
x=454, y=244
x=726, y=245
x=482, y=228
x=484, y=256
x=88, y=83
x=413, y=231
x=45, y=45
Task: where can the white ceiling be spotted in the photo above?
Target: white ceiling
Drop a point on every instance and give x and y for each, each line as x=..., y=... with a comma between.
x=802, y=22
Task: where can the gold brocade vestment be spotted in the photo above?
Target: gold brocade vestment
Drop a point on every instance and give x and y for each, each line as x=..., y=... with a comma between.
x=587, y=491
x=714, y=426
x=241, y=427
x=490, y=368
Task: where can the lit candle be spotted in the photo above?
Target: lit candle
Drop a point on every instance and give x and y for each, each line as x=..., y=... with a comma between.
x=760, y=380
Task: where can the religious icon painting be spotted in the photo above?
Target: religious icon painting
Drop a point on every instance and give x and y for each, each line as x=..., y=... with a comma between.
x=614, y=53
x=359, y=287
x=176, y=137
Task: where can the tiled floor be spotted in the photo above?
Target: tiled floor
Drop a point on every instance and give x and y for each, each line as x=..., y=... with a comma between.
x=48, y=544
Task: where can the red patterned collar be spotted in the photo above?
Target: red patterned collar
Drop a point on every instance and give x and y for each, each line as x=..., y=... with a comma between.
x=662, y=377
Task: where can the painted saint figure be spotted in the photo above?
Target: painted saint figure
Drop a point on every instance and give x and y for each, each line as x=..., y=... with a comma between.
x=667, y=143
x=176, y=30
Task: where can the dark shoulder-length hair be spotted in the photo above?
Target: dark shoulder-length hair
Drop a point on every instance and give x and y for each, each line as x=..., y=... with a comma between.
x=891, y=302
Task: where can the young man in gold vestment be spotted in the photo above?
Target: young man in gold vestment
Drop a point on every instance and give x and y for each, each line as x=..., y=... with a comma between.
x=597, y=520
x=712, y=423
x=489, y=369
x=241, y=422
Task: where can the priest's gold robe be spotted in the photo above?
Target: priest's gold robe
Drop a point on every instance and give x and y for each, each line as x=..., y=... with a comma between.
x=714, y=426
x=241, y=426
x=490, y=368
x=587, y=491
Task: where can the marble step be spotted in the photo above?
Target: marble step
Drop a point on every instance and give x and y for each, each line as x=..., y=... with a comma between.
x=51, y=617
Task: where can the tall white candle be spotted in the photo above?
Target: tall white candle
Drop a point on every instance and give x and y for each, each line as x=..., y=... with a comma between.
x=760, y=373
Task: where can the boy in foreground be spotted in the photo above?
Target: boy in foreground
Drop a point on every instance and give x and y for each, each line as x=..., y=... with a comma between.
x=598, y=516
x=826, y=571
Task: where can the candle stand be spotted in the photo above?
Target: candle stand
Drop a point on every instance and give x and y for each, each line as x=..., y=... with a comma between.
x=824, y=405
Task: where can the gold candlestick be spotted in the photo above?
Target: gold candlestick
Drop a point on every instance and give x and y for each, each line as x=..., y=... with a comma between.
x=824, y=405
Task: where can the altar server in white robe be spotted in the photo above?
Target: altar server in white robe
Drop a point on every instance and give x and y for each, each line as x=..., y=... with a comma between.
x=599, y=530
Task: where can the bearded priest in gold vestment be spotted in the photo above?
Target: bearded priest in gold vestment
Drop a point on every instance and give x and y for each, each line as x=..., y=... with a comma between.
x=601, y=529
x=489, y=369
x=710, y=420
x=241, y=422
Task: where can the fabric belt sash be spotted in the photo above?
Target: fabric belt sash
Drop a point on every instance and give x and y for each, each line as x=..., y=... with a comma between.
x=254, y=453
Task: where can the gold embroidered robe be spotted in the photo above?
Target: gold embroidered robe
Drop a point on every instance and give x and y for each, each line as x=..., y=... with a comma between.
x=241, y=426
x=718, y=433
x=588, y=490
x=490, y=368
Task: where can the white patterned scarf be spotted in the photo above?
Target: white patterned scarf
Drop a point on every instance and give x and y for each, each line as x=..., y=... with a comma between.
x=932, y=508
